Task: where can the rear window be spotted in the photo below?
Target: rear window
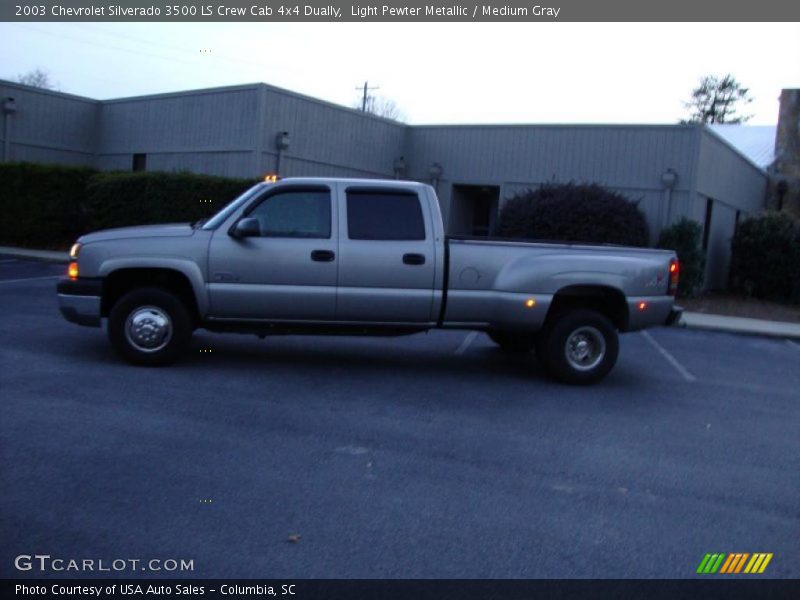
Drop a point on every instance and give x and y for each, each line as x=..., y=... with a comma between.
x=381, y=215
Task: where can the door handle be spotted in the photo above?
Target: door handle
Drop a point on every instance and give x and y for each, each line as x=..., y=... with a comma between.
x=322, y=255
x=414, y=259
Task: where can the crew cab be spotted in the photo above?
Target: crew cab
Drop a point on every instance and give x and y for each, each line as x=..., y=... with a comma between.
x=361, y=257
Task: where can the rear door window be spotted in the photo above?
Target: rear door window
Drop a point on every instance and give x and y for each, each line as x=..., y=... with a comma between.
x=384, y=215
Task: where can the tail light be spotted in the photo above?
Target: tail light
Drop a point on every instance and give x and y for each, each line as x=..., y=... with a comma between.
x=674, y=274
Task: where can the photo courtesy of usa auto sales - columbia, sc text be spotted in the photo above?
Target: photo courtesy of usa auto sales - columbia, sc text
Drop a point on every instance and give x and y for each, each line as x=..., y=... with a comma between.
x=297, y=10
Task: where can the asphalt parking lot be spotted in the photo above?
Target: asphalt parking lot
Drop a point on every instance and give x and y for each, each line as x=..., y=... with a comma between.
x=434, y=455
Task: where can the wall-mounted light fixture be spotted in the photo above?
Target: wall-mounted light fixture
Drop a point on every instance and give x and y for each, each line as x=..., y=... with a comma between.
x=9, y=106
x=669, y=179
x=435, y=173
x=282, y=140
x=281, y=144
x=400, y=167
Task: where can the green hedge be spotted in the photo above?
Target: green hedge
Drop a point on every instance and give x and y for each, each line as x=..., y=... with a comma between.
x=684, y=238
x=766, y=257
x=43, y=205
x=48, y=206
x=120, y=199
x=573, y=213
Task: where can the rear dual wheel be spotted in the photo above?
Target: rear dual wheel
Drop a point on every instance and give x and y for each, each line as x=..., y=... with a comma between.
x=578, y=347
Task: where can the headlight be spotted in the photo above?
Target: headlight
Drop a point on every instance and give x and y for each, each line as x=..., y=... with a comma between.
x=73, y=252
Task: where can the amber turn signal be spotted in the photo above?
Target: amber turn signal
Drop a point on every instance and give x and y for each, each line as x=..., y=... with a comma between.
x=72, y=270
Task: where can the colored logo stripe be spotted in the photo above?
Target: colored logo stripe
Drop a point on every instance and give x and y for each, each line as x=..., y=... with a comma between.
x=734, y=563
x=710, y=563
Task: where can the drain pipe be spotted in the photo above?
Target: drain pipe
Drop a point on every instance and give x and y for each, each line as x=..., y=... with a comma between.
x=9, y=108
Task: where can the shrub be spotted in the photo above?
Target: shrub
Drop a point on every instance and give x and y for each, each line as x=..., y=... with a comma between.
x=684, y=238
x=121, y=199
x=766, y=255
x=573, y=213
x=42, y=204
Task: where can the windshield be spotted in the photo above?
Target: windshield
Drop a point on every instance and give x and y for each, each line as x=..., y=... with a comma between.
x=231, y=207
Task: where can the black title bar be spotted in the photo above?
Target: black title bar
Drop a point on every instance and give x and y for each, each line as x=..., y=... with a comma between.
x=271, y=11
x=733, y=587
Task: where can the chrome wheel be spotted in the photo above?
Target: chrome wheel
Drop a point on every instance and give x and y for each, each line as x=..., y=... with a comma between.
x=148, y=328
x=585, y=348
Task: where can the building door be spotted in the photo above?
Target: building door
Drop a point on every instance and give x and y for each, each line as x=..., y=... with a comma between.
x=473, y=209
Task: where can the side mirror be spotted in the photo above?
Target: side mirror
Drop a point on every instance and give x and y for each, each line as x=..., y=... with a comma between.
x=247, y=227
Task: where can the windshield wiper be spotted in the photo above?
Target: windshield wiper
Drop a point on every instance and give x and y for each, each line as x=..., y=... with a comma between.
x=199, y=223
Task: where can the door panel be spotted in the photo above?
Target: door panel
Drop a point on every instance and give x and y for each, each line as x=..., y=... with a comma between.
x=383, y=279
x=278, y=276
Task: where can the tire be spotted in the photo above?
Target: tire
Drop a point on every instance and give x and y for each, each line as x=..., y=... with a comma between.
x=513, y=343
x=579, y=347
x=164, y=327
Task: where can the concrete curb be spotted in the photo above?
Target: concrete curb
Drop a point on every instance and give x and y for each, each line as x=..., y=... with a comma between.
x=52, y=256
x=740, y=325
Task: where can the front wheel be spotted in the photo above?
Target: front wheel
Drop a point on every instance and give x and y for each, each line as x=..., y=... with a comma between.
x=149, y=326
x=579, y=347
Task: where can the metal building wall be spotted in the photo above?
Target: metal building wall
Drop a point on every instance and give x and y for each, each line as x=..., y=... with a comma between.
x=50, y=127
x=326, y=139
x=206, y=131
x=727, y=176
x=735, y=185
x=630, y=159
x=231, y=131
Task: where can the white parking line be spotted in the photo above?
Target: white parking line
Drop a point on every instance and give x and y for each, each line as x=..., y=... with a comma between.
x=29, y=279
x=671, y=359
x=467, y=341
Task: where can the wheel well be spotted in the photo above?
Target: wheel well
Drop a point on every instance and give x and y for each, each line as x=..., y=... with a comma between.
x=607, y=301
x=119, y=282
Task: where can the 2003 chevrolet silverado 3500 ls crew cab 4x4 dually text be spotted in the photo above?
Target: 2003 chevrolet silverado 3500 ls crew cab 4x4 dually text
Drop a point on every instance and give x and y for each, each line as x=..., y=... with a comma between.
x=361, y=257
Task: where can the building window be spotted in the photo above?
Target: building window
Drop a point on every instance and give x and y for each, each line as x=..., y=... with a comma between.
x=140, y=162
x=707, y=224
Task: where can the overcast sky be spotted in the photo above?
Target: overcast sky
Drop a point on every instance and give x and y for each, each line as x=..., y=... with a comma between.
x=436, y=73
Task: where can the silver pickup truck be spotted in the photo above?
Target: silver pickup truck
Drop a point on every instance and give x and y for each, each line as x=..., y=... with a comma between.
x=361, y=257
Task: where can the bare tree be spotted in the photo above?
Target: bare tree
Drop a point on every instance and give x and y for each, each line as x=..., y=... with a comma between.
x=384, y=107
x=718, y=100
x=37, y=78
x=380, y=106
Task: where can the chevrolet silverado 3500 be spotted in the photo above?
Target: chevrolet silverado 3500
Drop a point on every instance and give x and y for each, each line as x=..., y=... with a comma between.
x=361, y=257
